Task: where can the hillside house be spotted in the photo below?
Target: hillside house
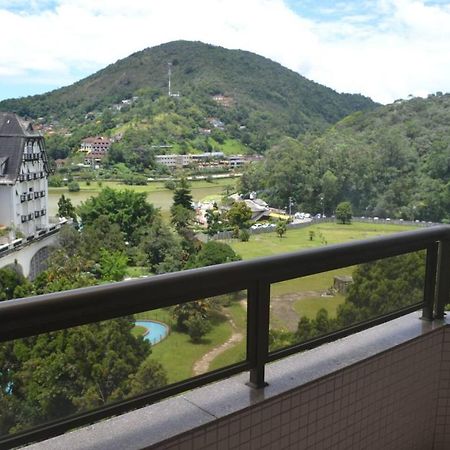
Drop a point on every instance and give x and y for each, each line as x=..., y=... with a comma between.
x=23, y=176
x=223, y=100
x=216, y=123
x=96, y=148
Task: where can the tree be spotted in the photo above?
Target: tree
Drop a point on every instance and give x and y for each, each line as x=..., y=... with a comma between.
x=113, y=265
x=304, y=329
x=150, y=375
x=66, y=208
x=64, y=372
x=383, y=286
x=281, y=228
x=52, y=375
x=280, y=338
x=64, y=272
x=158, y=244
x=213, y=220
x=330, y=190
x=239, y=215
x=182, y=195
x=344, y=212
x=11, y=282
x=197, y=327
x=181, y=211
x=212, y=253
x=181, y=218
x=184, y=311
x=129, y=209
x=100, y=235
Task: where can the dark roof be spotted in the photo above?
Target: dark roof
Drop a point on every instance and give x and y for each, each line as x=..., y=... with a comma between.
x=14, y=133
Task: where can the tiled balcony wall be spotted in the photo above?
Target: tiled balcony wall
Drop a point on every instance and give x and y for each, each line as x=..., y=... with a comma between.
x=384, y=388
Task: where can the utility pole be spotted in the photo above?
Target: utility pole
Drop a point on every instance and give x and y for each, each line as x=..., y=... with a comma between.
x=322, y=198
x=290, y=206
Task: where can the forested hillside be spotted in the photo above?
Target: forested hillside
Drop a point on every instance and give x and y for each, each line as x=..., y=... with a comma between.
x=393, y=161
x=262, y=100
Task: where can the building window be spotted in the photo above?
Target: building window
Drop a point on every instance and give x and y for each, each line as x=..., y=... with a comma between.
x=23, y=218
x=3, y=165
x=37, y=214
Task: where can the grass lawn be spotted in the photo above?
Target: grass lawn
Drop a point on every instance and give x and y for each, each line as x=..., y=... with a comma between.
x=313, y=286
x=266, y=244
x=317, y=282
x=157, y=193
x=232, y=147
x=176, y=352
x=238, y=352
x=138, y=331
x=309, y=306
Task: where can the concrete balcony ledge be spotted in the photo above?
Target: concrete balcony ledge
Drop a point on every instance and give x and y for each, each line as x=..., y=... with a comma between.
x=359, y=391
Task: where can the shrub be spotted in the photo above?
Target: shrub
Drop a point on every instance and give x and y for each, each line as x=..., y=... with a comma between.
x=197, y=327
x=244, y=235
x=73, y=186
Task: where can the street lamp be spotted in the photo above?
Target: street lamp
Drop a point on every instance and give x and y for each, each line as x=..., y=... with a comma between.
x=291, y=203
x=321, y=198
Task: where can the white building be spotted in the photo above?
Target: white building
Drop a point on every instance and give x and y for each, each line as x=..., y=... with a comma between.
x=23, y=176
x=179, y=161
x=174, y=160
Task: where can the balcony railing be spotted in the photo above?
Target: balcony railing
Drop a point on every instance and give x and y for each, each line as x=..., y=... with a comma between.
x=31, y=316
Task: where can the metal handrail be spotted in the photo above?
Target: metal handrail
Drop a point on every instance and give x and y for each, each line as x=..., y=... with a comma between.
x=26, y=317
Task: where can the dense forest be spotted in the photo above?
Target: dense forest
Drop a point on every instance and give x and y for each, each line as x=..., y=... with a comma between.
x=393, y=162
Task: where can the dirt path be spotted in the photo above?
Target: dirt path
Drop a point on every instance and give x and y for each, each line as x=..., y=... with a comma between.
x=282, y=308
x=283, y=313
x=202, y=365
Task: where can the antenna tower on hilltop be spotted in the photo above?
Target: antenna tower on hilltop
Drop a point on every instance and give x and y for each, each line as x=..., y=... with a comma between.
x=169, y=65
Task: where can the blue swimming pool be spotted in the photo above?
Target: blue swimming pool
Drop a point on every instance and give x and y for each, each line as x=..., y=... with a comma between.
x=156, y=331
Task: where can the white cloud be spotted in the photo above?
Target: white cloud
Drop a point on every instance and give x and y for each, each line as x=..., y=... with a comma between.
x=387, y=49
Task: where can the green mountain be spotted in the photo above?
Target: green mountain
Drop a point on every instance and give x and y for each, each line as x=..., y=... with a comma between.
x=393, y=162
x=263, y=98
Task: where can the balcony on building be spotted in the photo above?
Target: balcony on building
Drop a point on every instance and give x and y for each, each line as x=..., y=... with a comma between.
x=381, y=383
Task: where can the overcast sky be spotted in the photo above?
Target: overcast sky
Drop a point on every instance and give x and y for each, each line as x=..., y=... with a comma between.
x=385, y=49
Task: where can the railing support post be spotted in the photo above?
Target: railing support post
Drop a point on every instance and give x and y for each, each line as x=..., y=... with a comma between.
x=429, y=293
x=258, y=305
x=443, y=279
